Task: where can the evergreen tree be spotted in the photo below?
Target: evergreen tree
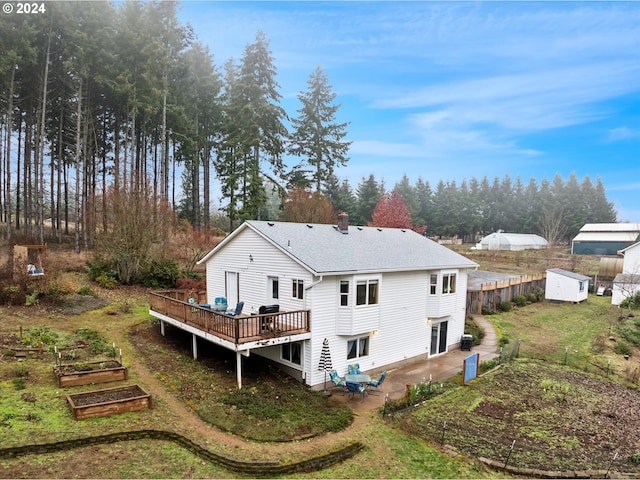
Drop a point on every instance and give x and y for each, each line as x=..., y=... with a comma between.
x=261, y=118
x=316, y=136
x=368, y=194
x=340, y=194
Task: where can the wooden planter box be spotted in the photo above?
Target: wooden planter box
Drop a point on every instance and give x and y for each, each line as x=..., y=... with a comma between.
x=89, y=373
x=110, y=401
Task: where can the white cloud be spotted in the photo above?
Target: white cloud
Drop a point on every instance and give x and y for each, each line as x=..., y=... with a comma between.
x=623, y=133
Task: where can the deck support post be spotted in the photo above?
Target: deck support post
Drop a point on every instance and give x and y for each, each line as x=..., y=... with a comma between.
x=239, y=369
x=194, y=342
x=162, y=327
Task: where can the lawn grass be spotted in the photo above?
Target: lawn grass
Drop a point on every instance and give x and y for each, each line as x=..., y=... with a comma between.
x=561, y=333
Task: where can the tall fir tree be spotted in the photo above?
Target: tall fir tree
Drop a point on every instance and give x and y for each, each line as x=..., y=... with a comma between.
x=317, y=136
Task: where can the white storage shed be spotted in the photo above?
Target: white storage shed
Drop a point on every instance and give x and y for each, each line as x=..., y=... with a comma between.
x=565, y=286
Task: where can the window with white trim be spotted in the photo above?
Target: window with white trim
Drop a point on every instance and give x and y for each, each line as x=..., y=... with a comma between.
x=344, y=293
x=292, y=352
x=298, y=289
x=581, y=285
x=433, y=284
x=358, y=347
x=366, y=292
x=449, y=283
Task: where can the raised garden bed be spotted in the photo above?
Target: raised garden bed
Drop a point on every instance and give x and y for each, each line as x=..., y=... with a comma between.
x=110, y=401
x=89, y=373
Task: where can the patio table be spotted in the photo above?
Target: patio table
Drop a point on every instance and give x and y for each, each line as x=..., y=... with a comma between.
x=361, y=378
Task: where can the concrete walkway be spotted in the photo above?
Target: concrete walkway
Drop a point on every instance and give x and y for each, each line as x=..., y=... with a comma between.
x=437, y=368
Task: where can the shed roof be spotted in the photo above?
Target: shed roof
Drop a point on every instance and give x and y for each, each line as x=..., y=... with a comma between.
x=567, y=273
x=324, y=249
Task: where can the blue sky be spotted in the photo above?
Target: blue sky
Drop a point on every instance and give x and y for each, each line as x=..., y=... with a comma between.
x=455, y=90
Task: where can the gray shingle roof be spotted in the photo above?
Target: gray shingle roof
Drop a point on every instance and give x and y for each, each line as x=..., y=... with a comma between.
x=324, y=249
x=567, y=273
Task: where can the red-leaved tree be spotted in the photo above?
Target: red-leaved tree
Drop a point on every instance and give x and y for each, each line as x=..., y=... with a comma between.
x=392, y=212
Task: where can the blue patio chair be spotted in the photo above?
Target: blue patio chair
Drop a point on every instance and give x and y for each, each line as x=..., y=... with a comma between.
x=237, y=311
x=354, y=388
x=353, y=369
x=376, y=384
x=220, y=304
x=337, y=380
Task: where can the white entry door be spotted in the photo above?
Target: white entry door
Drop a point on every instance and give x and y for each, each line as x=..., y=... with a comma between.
x=232, y=281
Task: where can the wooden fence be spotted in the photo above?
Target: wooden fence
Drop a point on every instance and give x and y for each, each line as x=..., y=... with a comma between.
x=490, y=294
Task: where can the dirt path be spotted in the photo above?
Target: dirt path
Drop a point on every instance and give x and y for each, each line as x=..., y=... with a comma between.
x=186, y=422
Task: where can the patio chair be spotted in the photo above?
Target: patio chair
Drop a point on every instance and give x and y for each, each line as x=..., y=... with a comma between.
x=220, y=304
x=375, y=384
x=353, y=369
x=337, y=380
x=237, y=311
x=353, y=388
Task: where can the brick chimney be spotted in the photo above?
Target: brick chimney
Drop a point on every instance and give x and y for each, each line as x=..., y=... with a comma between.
x=343, y=222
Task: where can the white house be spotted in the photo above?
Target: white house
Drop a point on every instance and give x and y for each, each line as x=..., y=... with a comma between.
x=380, y=296
x=565, y=286
x=627, y=283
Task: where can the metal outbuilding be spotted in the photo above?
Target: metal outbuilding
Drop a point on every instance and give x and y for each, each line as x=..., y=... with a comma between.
x=605, y=238
x=511, y=241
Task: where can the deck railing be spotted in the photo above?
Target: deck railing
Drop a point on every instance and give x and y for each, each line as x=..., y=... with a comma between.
x=237, y=329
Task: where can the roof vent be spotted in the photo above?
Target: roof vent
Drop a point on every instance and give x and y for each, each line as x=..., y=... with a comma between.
x=271, y=224
x=309, y=226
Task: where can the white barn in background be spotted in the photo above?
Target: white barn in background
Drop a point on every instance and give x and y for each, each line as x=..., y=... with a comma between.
x=627, y=283
x=565, y=286
x=511, y=241
x=381, y=296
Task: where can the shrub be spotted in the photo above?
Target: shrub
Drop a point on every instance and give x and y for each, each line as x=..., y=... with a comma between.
x=97, y=343
x=18, y=383
x=471, y=327
x=532, y=297
x=520, y=300
x=187, y=283
x=32, y=298
x=622, y=348
x=86, y=291
x=161, y=273
x=631, y=303
x=32, y=337
x=20, y=372
x=106, y=281
x=504, y=306
x=98, y=267
x=488, y=365
x=487, y=310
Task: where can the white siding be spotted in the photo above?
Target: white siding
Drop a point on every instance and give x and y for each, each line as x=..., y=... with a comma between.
x=565, y=289
x=403, y=331
x=632, y=260
x=255, y=260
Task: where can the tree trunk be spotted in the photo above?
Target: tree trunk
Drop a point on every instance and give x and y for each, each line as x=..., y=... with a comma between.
x=7, y=188
x=78, y=153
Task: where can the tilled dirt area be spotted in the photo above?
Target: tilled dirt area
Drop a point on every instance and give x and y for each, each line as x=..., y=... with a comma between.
x=539, y=416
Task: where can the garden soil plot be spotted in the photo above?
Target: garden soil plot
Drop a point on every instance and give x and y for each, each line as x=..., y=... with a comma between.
x=560, y=419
